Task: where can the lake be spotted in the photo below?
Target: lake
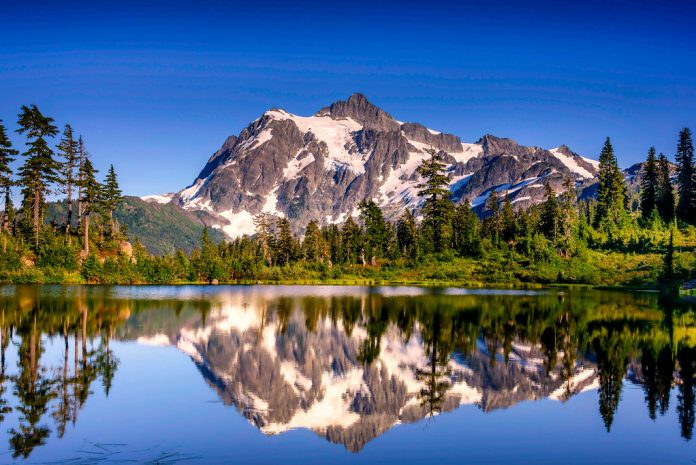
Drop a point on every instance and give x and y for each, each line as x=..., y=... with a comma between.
x=327, y=374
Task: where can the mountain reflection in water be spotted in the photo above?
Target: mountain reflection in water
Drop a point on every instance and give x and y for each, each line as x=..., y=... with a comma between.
x=346, y=363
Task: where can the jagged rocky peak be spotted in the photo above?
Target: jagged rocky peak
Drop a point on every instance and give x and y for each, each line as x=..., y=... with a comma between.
x=445, y=142
x=362, y=111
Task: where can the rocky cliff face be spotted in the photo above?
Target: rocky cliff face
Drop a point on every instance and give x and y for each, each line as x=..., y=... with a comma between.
x=320, y=167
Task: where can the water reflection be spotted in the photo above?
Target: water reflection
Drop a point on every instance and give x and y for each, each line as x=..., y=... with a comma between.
x=346, y=363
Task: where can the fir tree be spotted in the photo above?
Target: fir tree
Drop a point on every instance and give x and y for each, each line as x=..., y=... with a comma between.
x=69, y=150
x=507, y=219
x=611, y=193
x=351, y=238
x=40, y=169
x=313, y=249
x=91, y=191
x=376, y=229
x=550, y=214
x=686, y=186
x=437, y=208
x=111, y=196
x=649, y=185
x=82, y=155
x=568, y=212
x=406, y=235
x=7, y=154
x=665, y=190
x=264, y=235
x=285, y=244
x=493, y=207
x=466, y=231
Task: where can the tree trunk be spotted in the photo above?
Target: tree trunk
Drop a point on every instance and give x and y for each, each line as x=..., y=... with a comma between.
x=37, y=203
x=68, y=222
x=6, y=211
x=79, y=208
x=86, y=231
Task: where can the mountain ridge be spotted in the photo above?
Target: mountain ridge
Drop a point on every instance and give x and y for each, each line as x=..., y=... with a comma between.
x=320, y=167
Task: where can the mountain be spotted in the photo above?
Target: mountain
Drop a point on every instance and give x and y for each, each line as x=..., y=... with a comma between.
x=321, y=166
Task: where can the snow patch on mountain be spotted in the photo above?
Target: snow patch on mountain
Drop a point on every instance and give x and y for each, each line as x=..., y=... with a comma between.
x=337, y=134
x=159, y=198
x=571, y=163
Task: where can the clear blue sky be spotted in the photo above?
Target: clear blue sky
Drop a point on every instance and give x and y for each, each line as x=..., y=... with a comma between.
x=156, y=89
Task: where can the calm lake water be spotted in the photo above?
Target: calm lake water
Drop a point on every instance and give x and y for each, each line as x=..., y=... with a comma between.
x=318, y=375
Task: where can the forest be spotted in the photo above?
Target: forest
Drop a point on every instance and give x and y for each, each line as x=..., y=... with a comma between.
x=642, y=239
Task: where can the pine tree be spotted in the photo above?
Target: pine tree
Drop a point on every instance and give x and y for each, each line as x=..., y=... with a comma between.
x=665, y=190
x=550, y=214
x=493, y=207
x=437, y=208
x=376, y=229
x=466, y=231
x=507, y=219
x=351, y=237
x=313, y=249
x=649, y=185
x=686, y=185
x=91, y=191
x=285, y=244
x=69, y=150
x=612, y=193
x=82, y=155
x=264, y=236
x=406, y=235
x=7, y=154
x=111, y=196
x=40, y=169
x=568, y=212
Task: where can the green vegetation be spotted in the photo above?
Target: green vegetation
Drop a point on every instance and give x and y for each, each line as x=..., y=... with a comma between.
x=610, y=241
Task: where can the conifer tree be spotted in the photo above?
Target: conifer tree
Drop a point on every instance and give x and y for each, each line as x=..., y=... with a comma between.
x=352, y=241
x=507, y=219
x=376, y=229
x=686, y=207
x=493, y=206
x=111, y=196
x=466, y=231
x=568, y=212
x=437, y=208
x=264, y=235
x=665, y=190
x=611, y=193
x=649, y=185
x=285, y=244
x=82, y=155
x=550, y=214
x=313, y=243
x=68, y=148
x=7, y=154
x=40, y=169
x=91, y=191
x=406, y=235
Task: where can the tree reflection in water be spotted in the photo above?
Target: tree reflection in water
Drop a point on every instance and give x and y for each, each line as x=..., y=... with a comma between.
x=392, y=357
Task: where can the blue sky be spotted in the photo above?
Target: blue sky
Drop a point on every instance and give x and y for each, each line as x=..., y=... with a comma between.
x=156, y=89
